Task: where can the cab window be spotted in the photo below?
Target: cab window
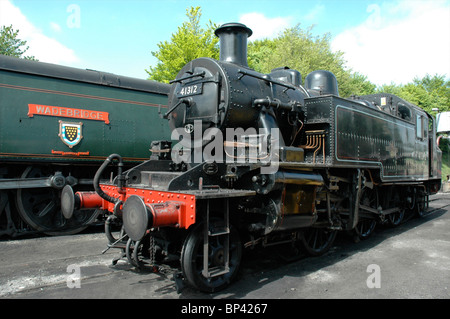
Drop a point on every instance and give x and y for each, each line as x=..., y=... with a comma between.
x=421, y=127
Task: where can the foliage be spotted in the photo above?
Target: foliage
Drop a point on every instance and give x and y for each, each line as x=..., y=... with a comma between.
x=299, y=49
x=191, y=41
x=11, y=45
x=359, y=85
x=429, y=92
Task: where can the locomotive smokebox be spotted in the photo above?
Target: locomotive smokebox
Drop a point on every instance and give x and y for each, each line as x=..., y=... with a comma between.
x=233, y=42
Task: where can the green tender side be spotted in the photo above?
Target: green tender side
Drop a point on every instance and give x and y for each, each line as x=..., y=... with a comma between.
x=71, y=115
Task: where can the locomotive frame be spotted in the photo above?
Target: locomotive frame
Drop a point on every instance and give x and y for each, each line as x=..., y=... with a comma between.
x=304, y=165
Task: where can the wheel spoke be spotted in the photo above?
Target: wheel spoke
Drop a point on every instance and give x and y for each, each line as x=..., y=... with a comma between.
x=192, y=259
x=317, y=241
x=316, y=234
x=49, y=208
x=367, y=223
x=40, y=208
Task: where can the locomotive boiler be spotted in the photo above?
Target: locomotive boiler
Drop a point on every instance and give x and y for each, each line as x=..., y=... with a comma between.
x=260, y=159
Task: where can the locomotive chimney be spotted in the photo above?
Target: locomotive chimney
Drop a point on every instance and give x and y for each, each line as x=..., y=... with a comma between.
x=233, y=42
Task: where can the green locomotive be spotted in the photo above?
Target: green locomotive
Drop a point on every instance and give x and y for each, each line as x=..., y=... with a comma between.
x=56, y=125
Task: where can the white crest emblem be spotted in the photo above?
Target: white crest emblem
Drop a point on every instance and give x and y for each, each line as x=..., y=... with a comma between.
x=70, y=133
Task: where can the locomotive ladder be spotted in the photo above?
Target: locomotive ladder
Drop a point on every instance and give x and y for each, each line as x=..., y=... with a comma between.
x=224, y=231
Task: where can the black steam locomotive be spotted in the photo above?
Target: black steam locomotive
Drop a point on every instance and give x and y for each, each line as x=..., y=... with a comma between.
x=259, y=159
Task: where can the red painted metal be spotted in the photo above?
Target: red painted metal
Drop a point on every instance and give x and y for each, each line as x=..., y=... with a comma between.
x=89, y=199
x=168, y=208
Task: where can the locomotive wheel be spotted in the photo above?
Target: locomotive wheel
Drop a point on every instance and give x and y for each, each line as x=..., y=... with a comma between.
x=366, y=225
x=192, y=259
x=316, y=241
x=420, y=208
x=40, y=208
x=395, y=219
x=365, y=228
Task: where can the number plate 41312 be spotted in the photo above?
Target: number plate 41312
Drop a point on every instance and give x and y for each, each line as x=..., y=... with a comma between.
x=190, y=90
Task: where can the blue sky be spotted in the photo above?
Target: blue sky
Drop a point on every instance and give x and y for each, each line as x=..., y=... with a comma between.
x=388, y=41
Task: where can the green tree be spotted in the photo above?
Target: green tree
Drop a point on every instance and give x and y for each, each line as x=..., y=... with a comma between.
x=191, y=41
x=389, y=88
x=360, y=85
x=429, y=92
x=299, y=49
x=11, y=45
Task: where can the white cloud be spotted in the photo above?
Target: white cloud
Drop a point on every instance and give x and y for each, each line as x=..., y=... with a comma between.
x=264, y=27
x=399, y=41
x=44, y=48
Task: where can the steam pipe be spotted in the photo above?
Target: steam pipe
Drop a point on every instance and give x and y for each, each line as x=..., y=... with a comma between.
x=267, y=122
x=99, y=172
x=274, y=103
